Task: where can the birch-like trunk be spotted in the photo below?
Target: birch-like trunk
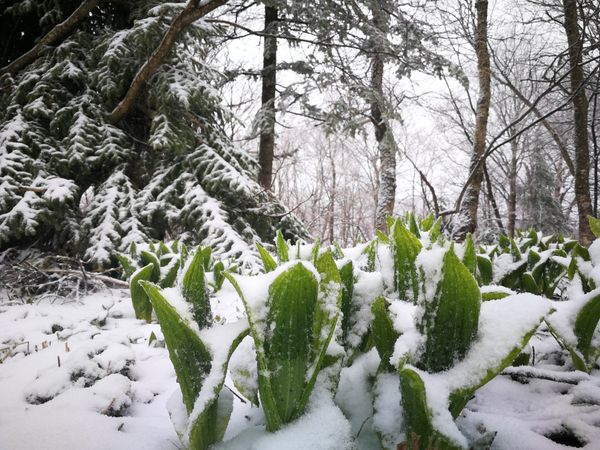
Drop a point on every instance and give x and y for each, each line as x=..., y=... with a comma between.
x=386, y=144
x=467, y=216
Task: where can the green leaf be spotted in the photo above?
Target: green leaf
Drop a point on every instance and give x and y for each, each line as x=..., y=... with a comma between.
x=218, y=270
x=194, y=290
x=383, y=332
x=528, y=283
x=553, y=273
x=169, y=279
x=206, y=257
x=427, y=222
x=314, y=254
x=470, y=256
x=288, y=344
x=412, y=223
x=338, y=253
x=384, y=238
x=579, y=251
x=512, y=278
x=390, y=220
x=533, y=258
x=451, y=318
x=515, y=252
x=405, y=248
x=493, y=295
x=151, y=258
x=347, y=279
x=586, y=323
x=504, y=242
x=211, y=423
x=162, y=249
x=371, y=251
x=191, y=359
x=267, y=260
x=267, y=397
x=594, y=225
x=330, y=297
x=435, y=231
x=420, y=431
x=485, y=268
x=139, y=298
x=282, y=248
x=129, y=267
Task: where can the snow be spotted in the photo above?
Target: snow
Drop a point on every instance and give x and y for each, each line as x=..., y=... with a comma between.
x=322, y=427
x=110, y=390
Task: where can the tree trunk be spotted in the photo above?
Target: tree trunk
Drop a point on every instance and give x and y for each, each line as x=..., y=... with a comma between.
x=189, y=15
x=331, y=211
x=512, y=190
x=53, y=36
x=467, y=216
x=386, y=144
x=493, y=203
x=266, y=148
x=580, y=117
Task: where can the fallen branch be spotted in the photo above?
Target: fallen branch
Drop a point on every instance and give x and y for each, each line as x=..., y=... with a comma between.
x=542, y=374
x=110, y=281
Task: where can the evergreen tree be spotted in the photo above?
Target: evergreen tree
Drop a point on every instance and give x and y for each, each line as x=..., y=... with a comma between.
x=165, y=170
x=542, y=209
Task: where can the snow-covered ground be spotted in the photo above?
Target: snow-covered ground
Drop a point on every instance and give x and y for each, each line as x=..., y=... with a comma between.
x=83, y=374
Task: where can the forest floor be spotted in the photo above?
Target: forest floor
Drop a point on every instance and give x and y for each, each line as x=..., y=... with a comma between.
x=84, y=374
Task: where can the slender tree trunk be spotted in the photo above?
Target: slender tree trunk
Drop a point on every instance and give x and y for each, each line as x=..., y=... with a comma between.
x=266, y=148
x=595, y=152
x=580, y=117
x=467, y=216
x=331, y=211
x=512, y=190
x=493, y=203
x=385, y=140
x=53, y=36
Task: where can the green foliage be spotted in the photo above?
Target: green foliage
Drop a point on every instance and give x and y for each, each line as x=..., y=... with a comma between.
x=288, y=350
x=420, y=431
x=300, y=330
x=384, y=335
x=586, y=323
x=190, y=357
x=141, y=303
x=194, y=289
x=193, y=364
x=282, y=248
x=451, y=318
x=405, y=247
x=594, y=225
x=268, y=262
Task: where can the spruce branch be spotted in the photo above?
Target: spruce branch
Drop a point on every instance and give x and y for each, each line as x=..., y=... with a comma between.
x=52, y=37
x=193, y=11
